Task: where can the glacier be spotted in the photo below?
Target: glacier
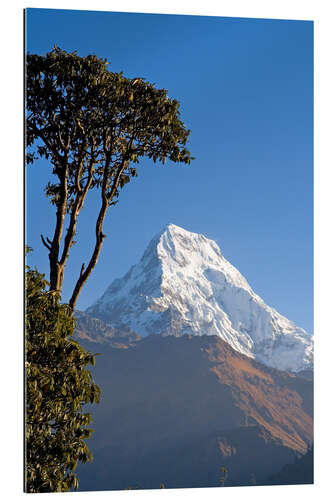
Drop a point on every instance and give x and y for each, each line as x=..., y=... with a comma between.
x=184, y=285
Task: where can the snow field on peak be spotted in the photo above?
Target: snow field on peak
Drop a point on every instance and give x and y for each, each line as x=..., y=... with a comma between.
x=183, y=284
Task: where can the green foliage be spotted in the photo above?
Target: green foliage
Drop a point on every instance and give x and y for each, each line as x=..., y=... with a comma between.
x=78, y=110
x=57, y=387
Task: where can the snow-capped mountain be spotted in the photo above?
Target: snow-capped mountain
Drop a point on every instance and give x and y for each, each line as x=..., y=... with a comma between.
x=184, y=285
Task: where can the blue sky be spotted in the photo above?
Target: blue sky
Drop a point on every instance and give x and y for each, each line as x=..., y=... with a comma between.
x=245, y=88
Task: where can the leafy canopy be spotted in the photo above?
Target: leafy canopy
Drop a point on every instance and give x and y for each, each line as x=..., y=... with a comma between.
x=76, y=105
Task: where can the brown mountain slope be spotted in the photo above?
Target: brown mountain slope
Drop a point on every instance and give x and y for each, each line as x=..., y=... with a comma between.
x=176, y=410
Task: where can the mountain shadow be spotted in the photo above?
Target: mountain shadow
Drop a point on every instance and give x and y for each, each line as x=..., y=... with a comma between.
x=174, y=410
x=298, y=472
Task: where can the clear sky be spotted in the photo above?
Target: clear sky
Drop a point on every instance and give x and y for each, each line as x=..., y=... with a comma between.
x=245, y=88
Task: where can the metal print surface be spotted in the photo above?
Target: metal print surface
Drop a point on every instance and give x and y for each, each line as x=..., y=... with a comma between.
x=169, y=229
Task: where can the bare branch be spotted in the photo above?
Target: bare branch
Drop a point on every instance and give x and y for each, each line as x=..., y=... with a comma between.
x=100, y=236
x=84, y=274
x=75, y=211
x=48, y=246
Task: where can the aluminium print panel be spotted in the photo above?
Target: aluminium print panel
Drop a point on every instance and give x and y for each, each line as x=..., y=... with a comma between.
x=169, y=286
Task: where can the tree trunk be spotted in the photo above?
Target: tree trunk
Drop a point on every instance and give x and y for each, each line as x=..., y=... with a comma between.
x=56, y=270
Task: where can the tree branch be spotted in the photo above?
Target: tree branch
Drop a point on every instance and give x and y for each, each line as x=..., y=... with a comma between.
x=78, y=204
x=48, y=246
x=55, y=270
x=99, y=226
x=82, y=269
x=39, y=132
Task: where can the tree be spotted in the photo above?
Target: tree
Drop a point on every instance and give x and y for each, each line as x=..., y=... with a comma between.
x=57, y=387
x=93, y=126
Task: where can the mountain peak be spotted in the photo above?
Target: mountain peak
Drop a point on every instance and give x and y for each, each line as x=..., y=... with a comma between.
x=177, y=233
x=196, y=253
x=172, y=227
x=184, y=285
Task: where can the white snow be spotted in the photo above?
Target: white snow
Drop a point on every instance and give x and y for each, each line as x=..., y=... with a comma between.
x=183, y=284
